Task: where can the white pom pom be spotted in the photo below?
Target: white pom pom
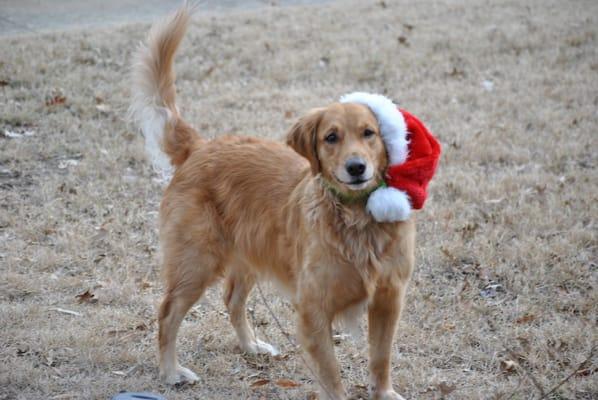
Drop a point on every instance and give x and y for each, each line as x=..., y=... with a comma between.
x=388, y=204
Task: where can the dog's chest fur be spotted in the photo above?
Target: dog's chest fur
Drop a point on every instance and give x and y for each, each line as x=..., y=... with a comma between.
x=350, y=235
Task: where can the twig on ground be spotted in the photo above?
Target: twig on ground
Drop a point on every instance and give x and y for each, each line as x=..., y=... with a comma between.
x=562, y=382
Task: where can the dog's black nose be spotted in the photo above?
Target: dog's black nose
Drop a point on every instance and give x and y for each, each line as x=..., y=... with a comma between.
x=355, y=167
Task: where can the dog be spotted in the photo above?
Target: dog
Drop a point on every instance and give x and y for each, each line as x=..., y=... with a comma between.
x=243, y=209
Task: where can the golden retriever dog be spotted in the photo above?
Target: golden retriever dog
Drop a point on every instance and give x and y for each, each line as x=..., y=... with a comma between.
x=244, y=209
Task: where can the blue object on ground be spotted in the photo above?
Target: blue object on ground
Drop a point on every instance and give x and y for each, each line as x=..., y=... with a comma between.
x=138, y=396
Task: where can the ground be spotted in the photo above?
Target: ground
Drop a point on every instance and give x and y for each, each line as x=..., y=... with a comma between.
x=504, y=299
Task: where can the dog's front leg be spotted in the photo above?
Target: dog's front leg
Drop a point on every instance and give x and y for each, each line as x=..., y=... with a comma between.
x=315, y=335
x=383, y=316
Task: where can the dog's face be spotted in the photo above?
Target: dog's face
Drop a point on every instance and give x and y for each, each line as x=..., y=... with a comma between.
x=344, y=144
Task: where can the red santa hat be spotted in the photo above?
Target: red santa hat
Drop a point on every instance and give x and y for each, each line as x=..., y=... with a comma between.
x=413, y=155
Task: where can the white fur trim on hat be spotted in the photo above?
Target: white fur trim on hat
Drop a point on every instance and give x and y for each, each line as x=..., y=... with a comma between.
x=388, y=204
x=392, y=124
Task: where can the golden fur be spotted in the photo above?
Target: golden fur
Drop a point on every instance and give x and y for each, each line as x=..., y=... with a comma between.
x=243, y=209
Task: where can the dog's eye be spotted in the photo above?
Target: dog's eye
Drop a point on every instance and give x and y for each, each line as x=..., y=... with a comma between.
x=368, y=133
x=332, y=137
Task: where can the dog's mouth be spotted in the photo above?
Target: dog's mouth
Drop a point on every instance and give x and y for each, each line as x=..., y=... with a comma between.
x=355, y=184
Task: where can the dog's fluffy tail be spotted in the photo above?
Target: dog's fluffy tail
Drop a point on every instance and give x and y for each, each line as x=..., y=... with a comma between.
x=168, y=138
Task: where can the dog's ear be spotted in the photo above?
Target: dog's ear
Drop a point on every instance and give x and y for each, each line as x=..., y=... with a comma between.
x=302, y=137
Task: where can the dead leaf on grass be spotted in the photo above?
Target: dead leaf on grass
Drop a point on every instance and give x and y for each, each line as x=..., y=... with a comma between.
x=359, y=391
x=141, y=327
x=22, y=351
x=445, y=388
x=508, y=366
x=86, y=297
x=524, y=319
x=448, y=327
x=586, y=372
x=312, y=396
x=55, y=100
x=145, y=285
x=281, y=357
x=259, y=383
x=403, y=40
x=286, y=383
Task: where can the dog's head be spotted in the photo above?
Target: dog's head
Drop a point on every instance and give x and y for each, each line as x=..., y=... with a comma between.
x=343, y=143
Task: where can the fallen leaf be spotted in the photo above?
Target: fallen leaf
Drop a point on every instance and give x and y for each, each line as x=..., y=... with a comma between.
x=312, y=396
x=86, y=297
x=3, y=82
x=445, y=388
x=448, y=327
x=259, y=383
x=288, y=114
x=22, y=352
x=508, y=366
x=145, y=285
x=524, y=319
x=447, y=253
x=287, y=383
x=586, y=371
x=56, y=100
x=141, y=327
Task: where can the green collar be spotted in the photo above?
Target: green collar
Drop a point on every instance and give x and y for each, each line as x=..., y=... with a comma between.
x=350, y=198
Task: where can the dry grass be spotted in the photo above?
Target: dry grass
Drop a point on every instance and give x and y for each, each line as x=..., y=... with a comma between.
x=507, y=255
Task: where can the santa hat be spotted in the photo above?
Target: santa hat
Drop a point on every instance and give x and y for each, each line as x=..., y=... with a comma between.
x=413, y=155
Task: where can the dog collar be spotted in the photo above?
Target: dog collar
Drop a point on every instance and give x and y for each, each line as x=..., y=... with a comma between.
x=350, y=198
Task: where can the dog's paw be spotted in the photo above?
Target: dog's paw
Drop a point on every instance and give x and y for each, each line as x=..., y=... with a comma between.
x=178, y=376
x=259, y=347
x=386, y=395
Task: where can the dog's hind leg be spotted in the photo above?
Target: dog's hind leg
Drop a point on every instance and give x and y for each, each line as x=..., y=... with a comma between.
x=190, y=267
x=239, y=283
